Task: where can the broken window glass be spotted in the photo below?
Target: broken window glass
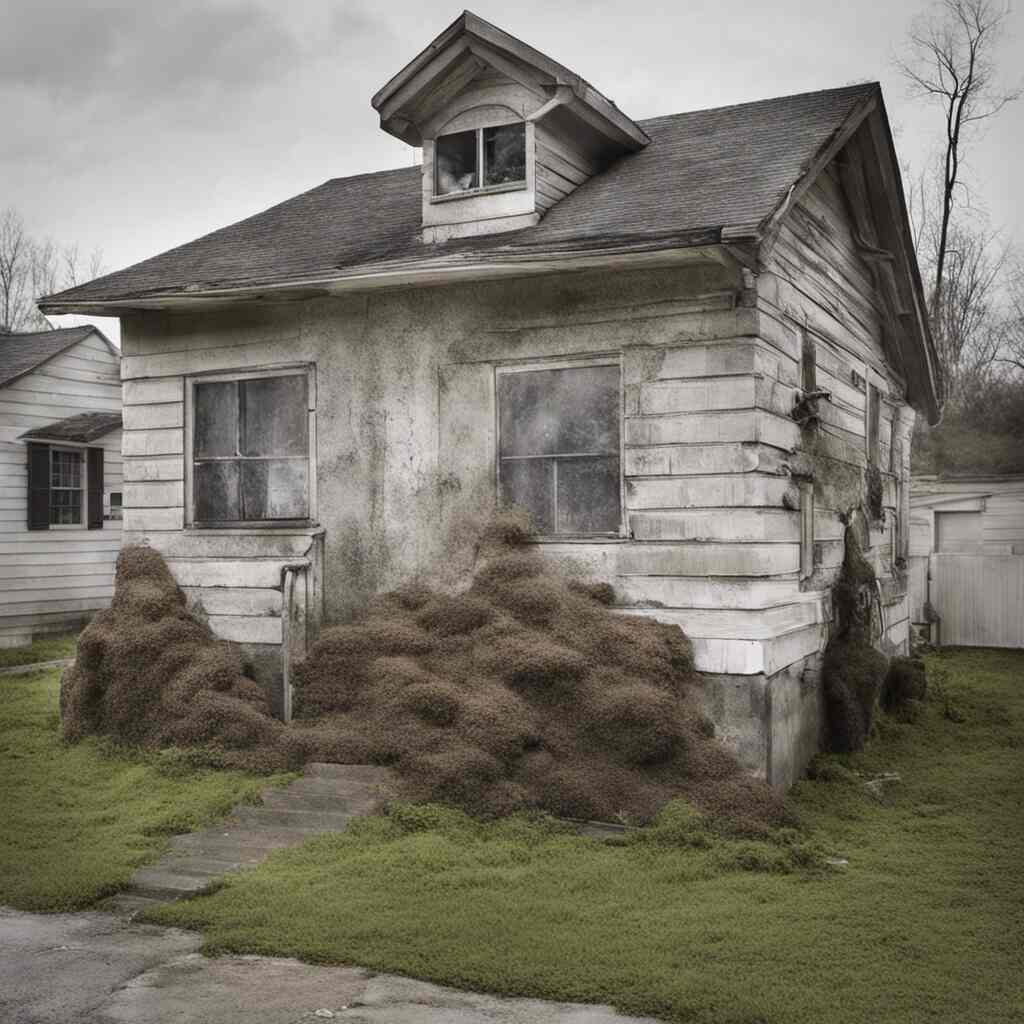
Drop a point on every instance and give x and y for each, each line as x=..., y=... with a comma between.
x=559, y=447
x=504, y=154
x=455, y=160
x=251, y=449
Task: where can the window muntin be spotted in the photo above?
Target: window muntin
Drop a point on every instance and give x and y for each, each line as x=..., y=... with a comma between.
x=67, y=487
x=482, y=157
x=559, y=449
x=250, y=449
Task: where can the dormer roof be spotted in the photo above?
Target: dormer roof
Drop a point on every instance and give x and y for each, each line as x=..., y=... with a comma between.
x=469, y=46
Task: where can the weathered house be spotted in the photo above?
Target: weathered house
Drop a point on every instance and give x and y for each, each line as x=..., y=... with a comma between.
x=967, y=559
x=60, y=479
x=683, y=343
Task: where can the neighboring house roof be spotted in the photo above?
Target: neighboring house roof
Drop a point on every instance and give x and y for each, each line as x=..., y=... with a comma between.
x=23, y=353
x=703, y=175
x=83, y=428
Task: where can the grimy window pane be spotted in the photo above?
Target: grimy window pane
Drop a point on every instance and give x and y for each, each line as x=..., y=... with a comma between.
x=216, y=492
x=216, y=420
x=455, y=163
x=588, y=495
x=505, y=154
x=529, y=483
x=275, y=419
x=274, y=489
x=560, y=412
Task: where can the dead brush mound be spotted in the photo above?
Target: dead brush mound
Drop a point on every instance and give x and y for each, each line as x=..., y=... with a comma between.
x=525, y=691
x=149, y=673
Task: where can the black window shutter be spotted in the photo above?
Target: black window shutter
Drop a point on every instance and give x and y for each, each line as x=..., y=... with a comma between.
x=94, y=481
x=38, y=486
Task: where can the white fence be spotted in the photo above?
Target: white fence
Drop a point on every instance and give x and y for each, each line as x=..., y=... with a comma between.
x=978, y=598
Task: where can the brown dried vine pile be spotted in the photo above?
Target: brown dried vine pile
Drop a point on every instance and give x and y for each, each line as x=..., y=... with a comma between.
x=524, y=691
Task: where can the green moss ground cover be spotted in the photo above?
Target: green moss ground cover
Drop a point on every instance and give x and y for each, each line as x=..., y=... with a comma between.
x=925, y=924
x=46, y=648
x=75, y=821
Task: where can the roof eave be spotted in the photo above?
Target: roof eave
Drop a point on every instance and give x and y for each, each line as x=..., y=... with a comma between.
x=700, y=246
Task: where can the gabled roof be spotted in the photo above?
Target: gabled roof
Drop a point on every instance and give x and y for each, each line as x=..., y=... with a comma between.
x=704, y=176
x=470, y=43
x=23, y=353
x=83, y=428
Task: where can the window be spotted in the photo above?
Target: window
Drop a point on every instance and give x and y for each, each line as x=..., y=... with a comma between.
x=67, y=487
x=250, y=448
x=116, y=511
x=481, y=158
x=558, y=446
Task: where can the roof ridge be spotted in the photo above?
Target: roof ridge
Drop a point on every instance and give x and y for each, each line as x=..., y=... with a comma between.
x=832, y=91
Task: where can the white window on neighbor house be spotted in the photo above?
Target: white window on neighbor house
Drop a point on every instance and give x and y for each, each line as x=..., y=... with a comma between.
x=559, y=446
x=67, y=486
x=250, y=441
x=481, y=158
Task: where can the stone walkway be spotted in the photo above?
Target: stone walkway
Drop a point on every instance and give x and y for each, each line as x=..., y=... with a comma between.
x=95, y=968
x=324, y=800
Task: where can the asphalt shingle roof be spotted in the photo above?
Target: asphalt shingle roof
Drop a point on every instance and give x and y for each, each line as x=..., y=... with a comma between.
x=702, y=172
x=84, y=427
x=22, y=353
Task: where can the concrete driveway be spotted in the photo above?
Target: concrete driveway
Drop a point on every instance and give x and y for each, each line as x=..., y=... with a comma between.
x=95, y=968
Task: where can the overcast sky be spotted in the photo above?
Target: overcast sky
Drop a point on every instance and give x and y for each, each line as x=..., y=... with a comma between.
x=132, y=127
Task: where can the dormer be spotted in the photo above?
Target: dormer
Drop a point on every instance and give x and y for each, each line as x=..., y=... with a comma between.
x=506, y=131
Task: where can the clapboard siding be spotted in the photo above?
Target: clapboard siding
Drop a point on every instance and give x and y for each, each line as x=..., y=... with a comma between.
x=53, y=578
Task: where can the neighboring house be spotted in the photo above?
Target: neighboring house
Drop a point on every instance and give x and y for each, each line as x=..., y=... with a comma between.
x=60, y=479
x=967, y=559
x=615, y=324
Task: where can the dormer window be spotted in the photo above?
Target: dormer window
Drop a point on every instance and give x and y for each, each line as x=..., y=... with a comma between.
x=483, y=158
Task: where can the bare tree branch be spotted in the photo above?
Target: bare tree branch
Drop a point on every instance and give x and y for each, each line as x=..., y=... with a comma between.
x=951, y=61
x=31, y=268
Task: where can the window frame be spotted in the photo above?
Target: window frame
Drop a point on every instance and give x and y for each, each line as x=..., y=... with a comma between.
x=83, y=488
x=237, y=375
x=572, y=363
x=481, y=189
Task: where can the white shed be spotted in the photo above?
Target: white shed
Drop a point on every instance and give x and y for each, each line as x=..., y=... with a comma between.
x=967, y=559
x=60, y=479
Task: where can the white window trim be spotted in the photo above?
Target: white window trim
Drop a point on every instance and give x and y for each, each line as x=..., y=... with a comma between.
x=481, y=190
x=80, y=451
x=575, y=362
x=223, y=376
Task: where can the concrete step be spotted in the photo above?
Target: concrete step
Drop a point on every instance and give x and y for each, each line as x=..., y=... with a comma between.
x=243, y=845
x=165, y=885
x=337, y=786
x=296, y=799
x=274, y=817
x=200, y=866
x=351, y=772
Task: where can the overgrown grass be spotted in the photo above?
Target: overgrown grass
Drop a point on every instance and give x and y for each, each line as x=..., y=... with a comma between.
x=75, y=821
x=925, y=924
x=45, y=648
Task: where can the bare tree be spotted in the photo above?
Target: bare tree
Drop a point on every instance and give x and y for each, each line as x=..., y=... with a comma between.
x=30, y=268
x=952, y=61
